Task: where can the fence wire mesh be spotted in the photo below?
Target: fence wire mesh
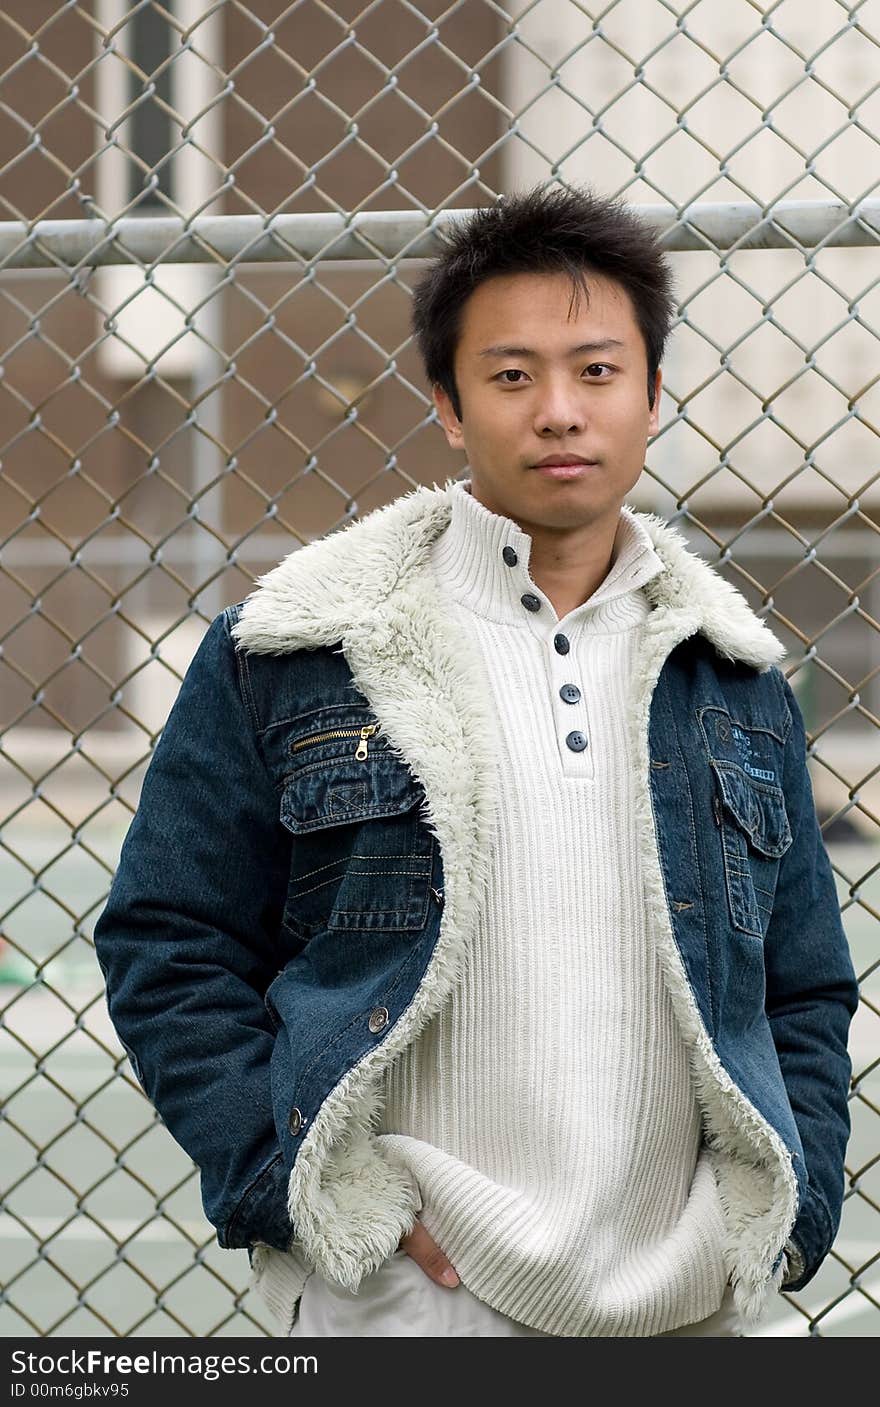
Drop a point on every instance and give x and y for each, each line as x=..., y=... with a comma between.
x=210, y=220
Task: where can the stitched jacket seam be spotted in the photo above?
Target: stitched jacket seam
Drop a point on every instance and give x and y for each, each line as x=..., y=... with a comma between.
x=246, y=693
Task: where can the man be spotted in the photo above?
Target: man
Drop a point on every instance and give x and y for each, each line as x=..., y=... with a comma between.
x=475, y=933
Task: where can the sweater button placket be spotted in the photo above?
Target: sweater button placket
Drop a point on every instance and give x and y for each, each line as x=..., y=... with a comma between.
x=569, y=708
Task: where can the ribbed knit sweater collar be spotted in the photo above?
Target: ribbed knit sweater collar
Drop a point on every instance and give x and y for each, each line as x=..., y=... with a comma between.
x=468, y=560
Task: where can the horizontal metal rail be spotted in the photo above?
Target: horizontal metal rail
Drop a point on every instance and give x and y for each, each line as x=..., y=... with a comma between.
x=118, y=550
x=404, y=234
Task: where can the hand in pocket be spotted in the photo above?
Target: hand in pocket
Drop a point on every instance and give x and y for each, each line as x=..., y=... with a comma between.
x=423, y=1249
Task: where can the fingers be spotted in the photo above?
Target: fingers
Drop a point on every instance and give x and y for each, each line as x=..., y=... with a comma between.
x=423, y=1249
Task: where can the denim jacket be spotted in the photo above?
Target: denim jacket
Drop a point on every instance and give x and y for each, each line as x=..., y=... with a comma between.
x=296, y=894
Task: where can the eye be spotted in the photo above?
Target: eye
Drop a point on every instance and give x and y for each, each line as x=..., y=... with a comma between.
x=595, y=367
x=509, y=371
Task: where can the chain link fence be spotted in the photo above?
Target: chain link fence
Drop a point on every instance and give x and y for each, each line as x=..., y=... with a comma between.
x=211, y=216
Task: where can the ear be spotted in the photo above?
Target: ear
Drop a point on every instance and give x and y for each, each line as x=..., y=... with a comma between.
x=654, y=414
x=448, y=418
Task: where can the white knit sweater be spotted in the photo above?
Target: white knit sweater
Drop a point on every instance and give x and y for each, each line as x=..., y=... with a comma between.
x=547, y=1112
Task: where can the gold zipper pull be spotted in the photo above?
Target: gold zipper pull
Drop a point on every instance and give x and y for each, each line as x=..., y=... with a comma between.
x=366, y=732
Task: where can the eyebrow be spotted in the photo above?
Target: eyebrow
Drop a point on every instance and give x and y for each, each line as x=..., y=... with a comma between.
x=509, y=351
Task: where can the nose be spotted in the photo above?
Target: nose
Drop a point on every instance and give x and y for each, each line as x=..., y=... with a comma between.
x=561, y=410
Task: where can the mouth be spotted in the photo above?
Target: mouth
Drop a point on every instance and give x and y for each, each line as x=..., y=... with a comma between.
x=565, y=467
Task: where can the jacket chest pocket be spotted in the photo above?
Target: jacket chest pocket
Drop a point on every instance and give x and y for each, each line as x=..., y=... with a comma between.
x=753, y=825
x=745, y=758
x=362, y=857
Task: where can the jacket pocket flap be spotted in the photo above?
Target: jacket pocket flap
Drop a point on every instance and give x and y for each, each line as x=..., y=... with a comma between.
x=758, y=809
x=343, y=790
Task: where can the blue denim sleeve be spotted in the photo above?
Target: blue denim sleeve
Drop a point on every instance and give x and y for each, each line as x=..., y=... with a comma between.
x=187, y=946
x=812, y=994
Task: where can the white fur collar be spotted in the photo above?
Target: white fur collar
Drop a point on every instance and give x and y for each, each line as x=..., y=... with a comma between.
x=323, y=593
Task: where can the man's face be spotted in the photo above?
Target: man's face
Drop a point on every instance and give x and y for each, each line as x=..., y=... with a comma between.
x=534, y=385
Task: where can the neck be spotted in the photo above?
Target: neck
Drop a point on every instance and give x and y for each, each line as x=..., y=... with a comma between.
x=569, y=567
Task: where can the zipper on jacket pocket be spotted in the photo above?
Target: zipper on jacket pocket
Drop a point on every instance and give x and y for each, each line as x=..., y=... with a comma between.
x=361, y=733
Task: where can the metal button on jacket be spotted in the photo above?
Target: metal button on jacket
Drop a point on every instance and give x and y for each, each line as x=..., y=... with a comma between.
x=577, y=741
x=295, y=1120
x=561, y=645
x=378, y=1019
x=531, y=603
x=510, y=557
x=570, y=693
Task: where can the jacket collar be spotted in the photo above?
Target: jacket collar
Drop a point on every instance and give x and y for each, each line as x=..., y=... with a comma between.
x=331, y=589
